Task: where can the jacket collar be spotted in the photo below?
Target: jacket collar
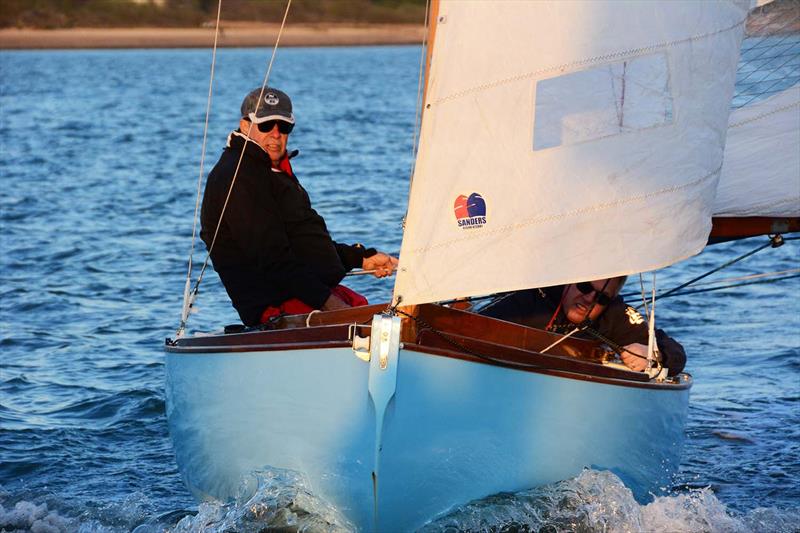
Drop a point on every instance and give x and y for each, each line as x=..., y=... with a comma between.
x=237, y=140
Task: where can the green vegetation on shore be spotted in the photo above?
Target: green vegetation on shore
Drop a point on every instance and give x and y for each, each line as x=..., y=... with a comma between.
x=50, y=14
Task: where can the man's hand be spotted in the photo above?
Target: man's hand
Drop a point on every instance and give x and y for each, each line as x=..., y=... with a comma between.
x=382, y=264
x=632, y=361
x=334, y=302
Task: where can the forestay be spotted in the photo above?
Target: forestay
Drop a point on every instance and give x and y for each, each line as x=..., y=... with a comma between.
x=567, y=141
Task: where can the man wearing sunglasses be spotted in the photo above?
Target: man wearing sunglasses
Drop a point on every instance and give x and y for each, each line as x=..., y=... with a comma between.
x=597, y=310
x=271, y=249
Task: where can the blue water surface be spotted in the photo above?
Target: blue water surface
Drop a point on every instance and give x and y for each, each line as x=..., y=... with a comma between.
x=99, y=160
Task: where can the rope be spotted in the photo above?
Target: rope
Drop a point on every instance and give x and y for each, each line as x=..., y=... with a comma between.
x=764, y=70
x=187, y=300
x=652, y=349
x=752, y=276
x=239, y=163
x=712, y=271
x=774, y=242
x=696, y=291
x=418, y=111
x=562, y=339
x=611, y=344
x=644, y=297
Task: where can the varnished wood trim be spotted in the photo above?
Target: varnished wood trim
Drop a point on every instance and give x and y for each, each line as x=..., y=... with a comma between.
x=258, y=348
x=731, y=228
x=266, y=339
x=506, y=354
x=685, y=383
x=497, y=331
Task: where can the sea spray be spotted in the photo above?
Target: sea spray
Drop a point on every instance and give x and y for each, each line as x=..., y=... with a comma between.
x=599, y=501
x=273, y=500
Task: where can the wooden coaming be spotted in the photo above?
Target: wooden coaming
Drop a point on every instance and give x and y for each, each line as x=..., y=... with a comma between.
x=500, y=332
x=498, y=354
x=471, y=337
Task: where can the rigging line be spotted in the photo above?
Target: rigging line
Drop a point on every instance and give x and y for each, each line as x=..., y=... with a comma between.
x=766, y=70
x=767, y=277
x=562, y=339
x=776, y=275
x=241, y=155
x=729, y=263
x=418, y=111
x=767, y=48
x=186, y=297
x=611, y=344
x=652, y=348
x=757, y=282
x=644, y=296
x=752, y=276
x=768, y=89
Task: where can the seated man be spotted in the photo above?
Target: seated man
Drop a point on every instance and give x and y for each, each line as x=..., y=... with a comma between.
x=271, y=249
x=595, y=306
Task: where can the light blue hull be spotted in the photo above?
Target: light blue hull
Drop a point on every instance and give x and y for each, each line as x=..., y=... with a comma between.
x=453, y=431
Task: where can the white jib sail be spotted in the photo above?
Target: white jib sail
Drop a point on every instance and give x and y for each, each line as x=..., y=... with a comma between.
x=565, y=141
x=761, y=172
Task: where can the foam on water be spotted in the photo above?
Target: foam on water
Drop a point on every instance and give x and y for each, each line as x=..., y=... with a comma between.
x=280, y=501
x=599, y=501
x=275, y=500
x=27, y=516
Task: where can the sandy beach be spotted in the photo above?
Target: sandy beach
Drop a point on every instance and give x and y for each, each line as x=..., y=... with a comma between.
x=233, y=34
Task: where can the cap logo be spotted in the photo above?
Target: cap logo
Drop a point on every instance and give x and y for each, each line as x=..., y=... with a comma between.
x=271, y=99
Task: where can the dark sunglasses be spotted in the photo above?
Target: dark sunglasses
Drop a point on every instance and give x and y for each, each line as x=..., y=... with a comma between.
x=283, y=126
x=587, y=288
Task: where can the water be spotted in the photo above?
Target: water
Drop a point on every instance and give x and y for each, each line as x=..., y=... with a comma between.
x=99, y=162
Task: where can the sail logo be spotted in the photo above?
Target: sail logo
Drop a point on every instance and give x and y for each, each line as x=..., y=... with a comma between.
x=271, y=99
x=470, y=211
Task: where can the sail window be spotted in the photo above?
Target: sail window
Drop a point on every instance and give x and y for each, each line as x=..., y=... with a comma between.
x=604, y=101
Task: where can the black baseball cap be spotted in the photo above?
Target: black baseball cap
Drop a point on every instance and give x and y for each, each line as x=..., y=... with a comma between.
x=274, y=105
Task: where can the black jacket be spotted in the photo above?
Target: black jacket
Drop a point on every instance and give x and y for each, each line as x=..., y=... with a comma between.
x=271, y=246
x=619, y=323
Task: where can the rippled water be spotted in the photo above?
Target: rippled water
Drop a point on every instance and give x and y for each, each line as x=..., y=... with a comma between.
x=99, y=154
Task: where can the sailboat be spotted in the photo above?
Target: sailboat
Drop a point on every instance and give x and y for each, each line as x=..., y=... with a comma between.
x=560, y=142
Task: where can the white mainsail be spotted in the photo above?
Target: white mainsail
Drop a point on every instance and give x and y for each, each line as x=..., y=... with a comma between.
x=761, y=172
x=564, y=141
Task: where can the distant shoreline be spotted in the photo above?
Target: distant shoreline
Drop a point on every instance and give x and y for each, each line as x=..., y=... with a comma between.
x=233, y=35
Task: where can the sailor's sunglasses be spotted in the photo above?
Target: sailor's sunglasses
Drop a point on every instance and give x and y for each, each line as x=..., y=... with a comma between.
x=587, y=288
x=283, y=126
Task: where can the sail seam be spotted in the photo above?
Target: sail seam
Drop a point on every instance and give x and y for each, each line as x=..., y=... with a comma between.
x=583, y=62
x=757, y=210
x=573, y=213
x=759, y=117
